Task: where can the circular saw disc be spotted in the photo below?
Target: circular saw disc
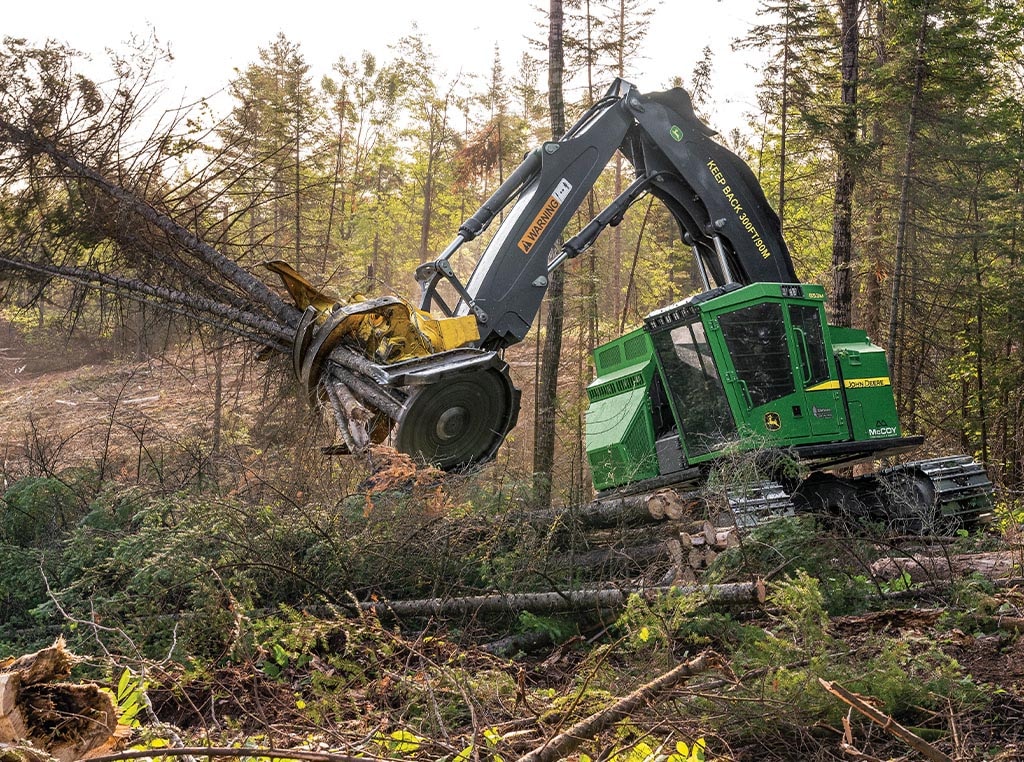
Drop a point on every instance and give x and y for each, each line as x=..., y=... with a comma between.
x=460, y=420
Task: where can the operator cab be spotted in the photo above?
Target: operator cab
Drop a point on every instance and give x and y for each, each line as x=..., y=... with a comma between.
x=737, y=367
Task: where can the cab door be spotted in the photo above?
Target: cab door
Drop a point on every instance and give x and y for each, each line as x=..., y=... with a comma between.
x=759, y=366
x=816, y=372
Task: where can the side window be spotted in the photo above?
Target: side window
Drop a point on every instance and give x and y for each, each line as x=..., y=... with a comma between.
x=756, y=339
x=696, y=391
x=806, y=322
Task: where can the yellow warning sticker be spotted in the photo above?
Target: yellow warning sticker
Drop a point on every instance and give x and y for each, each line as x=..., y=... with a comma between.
x=544, y=216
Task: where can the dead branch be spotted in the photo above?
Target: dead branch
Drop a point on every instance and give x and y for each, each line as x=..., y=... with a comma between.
x=567, y=742
x=236, y=752
x=862, y=705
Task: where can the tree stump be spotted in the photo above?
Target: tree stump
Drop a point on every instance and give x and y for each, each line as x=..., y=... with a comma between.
x=41, y=712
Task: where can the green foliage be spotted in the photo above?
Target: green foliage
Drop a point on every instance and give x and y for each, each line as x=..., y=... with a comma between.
x=1009, y=515
x=660, y=621
x=909, y=675
x=799, y=544
x=491, y=739
x=24, y=589
x=178, y=574
x=666, y=751
x=130, y=699
x=557, y=628
x=399, y=743
x=36, y=510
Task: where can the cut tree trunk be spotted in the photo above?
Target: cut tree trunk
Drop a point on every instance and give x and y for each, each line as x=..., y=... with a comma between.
x=65, y=720
x=561, y=600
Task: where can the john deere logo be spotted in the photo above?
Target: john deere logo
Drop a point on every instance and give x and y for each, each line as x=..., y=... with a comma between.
x=772, y=422
x=676, y=133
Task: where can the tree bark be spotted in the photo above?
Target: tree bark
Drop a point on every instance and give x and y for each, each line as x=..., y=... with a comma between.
x=903, y=222
x=559, y=600
x=926, y=568
x=547, y=382
x=351, y=417
x=842, y=215
x=784, y=117
x=980, y=355
x=871, y=312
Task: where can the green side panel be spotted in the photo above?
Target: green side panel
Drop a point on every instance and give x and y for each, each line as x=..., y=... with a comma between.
x=620, y=438
x=867, y=386
x=628, y=350
x=620, y=428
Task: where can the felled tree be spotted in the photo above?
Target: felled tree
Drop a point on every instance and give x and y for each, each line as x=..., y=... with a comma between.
x=83, y=209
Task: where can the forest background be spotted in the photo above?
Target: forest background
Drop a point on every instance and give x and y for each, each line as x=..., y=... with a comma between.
x=890, y=140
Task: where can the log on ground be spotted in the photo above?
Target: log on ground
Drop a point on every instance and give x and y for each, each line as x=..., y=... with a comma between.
x=927, y=568
x=561, y=600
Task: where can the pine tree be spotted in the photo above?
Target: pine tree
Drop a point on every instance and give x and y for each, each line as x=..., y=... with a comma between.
x=266, y=139
x=547, y=382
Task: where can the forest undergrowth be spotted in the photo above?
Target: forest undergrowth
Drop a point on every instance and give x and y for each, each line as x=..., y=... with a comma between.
x=240, y=599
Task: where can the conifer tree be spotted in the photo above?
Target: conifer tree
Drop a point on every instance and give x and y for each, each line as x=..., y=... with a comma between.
x=266, y=139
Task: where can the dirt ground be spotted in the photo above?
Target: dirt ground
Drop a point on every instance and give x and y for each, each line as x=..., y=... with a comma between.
x=67, y=403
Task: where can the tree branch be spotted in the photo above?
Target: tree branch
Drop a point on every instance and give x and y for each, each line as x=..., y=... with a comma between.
x=231, y=271
x=565, y=743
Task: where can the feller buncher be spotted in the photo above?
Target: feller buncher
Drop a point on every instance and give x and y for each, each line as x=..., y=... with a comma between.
x=748, y=364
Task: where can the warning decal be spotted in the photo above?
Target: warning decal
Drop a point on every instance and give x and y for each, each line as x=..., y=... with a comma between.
x=545, y=215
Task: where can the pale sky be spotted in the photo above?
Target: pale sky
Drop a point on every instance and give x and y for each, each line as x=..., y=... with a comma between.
x=211, y=39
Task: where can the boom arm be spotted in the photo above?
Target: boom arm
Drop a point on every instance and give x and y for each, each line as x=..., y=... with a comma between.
x=721, y=209
x=454, y=406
